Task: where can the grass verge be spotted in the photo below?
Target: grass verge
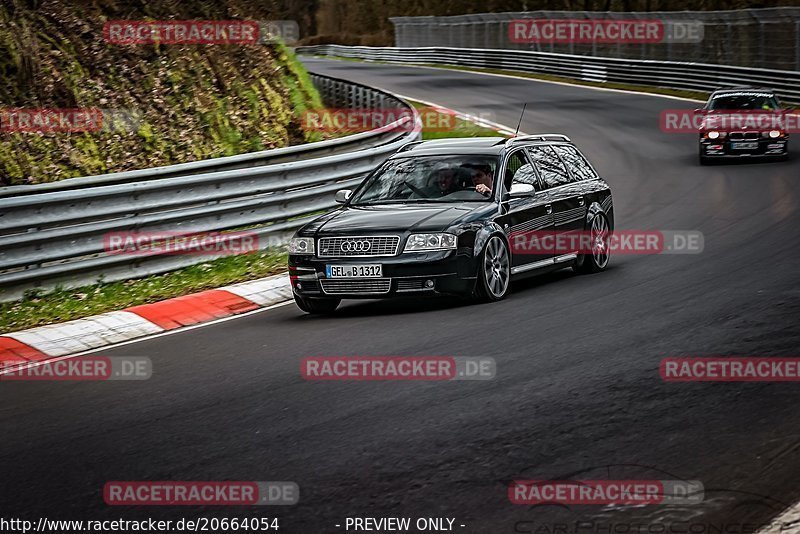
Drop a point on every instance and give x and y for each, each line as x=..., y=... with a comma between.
x=453, y=126
x=68, y=304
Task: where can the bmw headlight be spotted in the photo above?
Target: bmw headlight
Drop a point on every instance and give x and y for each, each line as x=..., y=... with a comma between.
x=713, y=134
x=424, y=242
x=301, y=245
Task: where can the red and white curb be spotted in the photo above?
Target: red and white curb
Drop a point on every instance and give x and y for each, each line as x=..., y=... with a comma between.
x=51, y=341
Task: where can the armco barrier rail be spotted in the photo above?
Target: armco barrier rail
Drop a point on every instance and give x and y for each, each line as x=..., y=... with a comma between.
x=53, y=234
x=669, y=74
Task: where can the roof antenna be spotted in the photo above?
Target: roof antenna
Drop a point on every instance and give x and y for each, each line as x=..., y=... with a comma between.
x=524, y=105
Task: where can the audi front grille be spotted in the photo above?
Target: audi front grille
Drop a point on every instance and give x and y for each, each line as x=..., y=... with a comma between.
x=374, y=286
x=358, y=246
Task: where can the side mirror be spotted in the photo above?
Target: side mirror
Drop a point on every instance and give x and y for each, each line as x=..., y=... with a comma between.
x=342, y=195
x=520, y=190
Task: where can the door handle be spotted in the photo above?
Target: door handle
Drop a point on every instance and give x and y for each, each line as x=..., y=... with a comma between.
x=581, y=201
x=549, y=208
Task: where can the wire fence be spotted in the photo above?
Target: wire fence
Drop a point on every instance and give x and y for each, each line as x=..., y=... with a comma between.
x=765, y=38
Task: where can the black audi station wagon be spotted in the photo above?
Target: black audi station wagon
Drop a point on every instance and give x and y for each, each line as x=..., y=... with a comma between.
x=454, y=216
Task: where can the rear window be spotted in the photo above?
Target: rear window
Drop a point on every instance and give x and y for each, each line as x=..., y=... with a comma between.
x=576, y=162
x=552, y=169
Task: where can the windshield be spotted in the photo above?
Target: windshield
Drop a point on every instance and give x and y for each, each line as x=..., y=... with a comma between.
x=744, y=101
x=430, y=179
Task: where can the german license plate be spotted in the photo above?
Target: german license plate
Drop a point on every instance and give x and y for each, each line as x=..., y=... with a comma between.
x=744, y=146
x=354, y=271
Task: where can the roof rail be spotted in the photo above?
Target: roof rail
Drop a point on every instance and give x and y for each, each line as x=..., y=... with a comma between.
x=539, y=137
x=408, y=146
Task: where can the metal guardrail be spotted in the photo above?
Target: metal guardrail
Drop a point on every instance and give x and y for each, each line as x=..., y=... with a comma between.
x=669, y=74
x=54, y=234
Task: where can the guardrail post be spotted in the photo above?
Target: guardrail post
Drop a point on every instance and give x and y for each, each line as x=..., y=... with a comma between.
x=797, y=45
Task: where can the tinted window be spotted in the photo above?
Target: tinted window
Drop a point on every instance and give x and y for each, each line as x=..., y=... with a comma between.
x=518, y=170
x=428, y=179
x=576, y=163
x=745, y=100
x=551, y=168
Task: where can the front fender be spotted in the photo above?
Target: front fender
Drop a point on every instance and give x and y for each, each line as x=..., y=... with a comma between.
x=594, y=209
x=482, y=236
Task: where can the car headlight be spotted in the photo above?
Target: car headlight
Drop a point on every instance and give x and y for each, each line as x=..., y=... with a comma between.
x=301, y=245
x=775, y=134
x=423, y=242
x=713, y=134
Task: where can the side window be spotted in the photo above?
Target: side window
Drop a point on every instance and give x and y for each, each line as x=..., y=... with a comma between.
x=518, y=170
x=552, y=169
x=576, y=162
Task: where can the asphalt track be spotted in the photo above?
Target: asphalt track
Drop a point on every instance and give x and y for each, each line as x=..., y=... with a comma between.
x=577, y=395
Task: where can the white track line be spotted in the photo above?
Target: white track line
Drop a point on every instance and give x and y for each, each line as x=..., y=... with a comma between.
x=486, y=123
x=574, y=84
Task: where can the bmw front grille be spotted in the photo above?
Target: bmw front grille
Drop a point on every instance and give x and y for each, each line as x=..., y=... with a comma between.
x=358, y=246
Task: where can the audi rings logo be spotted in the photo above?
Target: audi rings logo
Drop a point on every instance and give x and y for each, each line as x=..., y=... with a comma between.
x=356, y=246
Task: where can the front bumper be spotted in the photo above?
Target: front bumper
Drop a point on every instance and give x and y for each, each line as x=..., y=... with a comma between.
x=725, y=148
x=407, y=274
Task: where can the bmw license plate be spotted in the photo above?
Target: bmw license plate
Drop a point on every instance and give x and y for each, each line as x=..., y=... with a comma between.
x=745, y=146
x=354, y=271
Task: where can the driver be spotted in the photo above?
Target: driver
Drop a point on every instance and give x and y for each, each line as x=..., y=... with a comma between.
x=482, y=177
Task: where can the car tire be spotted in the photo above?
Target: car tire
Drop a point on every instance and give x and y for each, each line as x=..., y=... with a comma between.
x=704, y=160
x=494, y=271
x=597, y=260
x=317, y=306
